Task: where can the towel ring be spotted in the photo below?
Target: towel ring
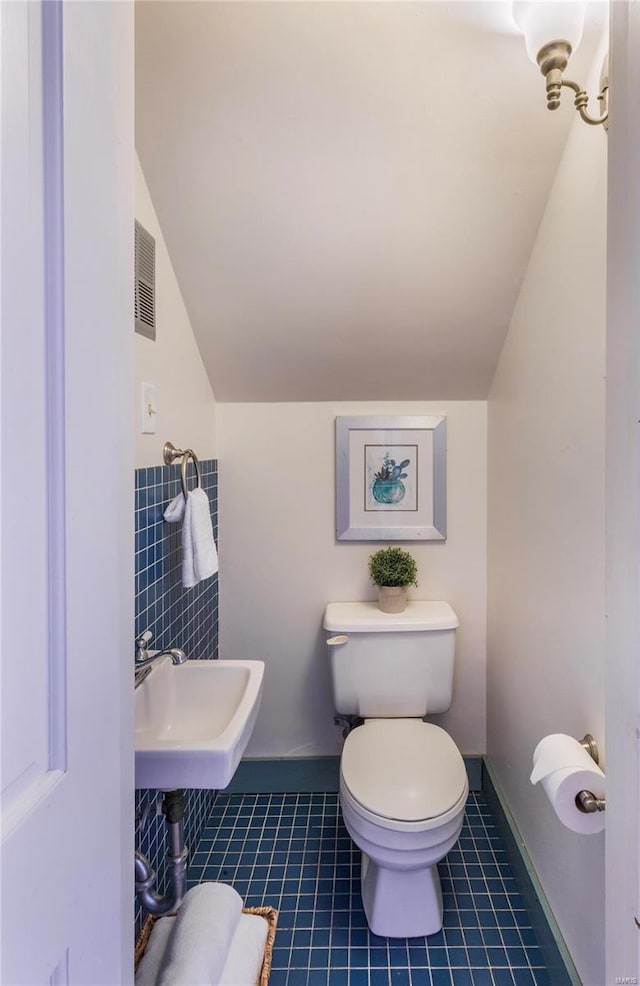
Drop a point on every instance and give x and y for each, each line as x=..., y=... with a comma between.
x=170, y=453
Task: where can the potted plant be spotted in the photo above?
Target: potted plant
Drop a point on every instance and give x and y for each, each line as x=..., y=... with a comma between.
x=392, y=570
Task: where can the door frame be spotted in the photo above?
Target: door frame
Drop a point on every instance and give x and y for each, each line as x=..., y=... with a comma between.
x=622, y=678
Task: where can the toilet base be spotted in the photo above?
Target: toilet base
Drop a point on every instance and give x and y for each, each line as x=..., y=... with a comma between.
x=401, y=903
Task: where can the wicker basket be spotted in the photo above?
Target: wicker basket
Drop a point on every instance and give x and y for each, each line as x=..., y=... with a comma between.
x=270, y=915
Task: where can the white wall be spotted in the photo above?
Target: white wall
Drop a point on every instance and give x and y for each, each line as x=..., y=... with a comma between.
x=172, y=362
x=280, y=563
x=545, y=647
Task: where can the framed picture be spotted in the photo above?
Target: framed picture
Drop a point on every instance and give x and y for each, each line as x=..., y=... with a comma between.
x=391, y=478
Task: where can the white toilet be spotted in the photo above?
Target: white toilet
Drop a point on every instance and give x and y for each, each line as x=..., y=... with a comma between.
x=403, y=783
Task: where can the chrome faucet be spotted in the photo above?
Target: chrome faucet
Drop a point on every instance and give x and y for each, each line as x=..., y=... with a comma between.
x=145, y=658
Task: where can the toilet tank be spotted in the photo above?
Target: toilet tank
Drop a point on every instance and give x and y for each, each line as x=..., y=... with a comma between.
x=388, y=665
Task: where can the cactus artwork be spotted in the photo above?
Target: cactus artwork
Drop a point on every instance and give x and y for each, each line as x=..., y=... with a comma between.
x=387, y=469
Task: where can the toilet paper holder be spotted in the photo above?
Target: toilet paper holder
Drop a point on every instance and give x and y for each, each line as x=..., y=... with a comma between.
x=586, y=801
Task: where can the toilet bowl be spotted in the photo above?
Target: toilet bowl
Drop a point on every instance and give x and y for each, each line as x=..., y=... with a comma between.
x=403, y=788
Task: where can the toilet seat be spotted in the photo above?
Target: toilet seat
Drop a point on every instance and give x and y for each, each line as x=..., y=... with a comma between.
x=403, y=774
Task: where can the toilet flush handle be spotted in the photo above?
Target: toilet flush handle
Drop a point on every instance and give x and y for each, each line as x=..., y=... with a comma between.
x=336, y=641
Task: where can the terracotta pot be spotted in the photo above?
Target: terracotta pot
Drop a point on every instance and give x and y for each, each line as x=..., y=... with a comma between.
x=392, y=598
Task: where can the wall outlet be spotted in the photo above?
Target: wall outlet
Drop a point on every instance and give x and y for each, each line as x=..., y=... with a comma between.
x=149, y=409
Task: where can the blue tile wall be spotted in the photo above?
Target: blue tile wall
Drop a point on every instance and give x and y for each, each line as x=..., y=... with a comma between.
x=177, y=617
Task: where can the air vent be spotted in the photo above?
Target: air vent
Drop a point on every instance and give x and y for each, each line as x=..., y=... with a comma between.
x=145, y=282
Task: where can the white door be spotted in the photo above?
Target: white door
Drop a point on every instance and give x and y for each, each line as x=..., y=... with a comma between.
x=66, y=155
x=623, y=502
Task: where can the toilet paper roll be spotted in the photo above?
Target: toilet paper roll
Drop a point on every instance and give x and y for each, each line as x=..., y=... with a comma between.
x=563, y=768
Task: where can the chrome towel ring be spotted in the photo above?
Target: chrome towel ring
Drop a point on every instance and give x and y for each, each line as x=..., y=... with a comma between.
x=170, y=453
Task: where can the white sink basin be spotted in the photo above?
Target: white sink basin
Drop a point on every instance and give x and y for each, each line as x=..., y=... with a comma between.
x=193, y=722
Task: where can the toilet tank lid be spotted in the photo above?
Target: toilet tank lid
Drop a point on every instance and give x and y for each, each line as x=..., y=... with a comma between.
x=365, y=617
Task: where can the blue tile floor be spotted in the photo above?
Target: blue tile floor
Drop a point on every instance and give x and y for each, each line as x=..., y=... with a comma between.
x=293, y=852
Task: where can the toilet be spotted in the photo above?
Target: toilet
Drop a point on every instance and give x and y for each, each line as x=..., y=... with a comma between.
x=403, y=783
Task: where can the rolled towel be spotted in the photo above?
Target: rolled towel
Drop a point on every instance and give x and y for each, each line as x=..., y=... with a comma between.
x=199, y=554
x=151, y=961
x=204, y=927
x=246, y=955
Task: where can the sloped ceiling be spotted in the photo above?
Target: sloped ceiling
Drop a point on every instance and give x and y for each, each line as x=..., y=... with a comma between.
x=349, y=191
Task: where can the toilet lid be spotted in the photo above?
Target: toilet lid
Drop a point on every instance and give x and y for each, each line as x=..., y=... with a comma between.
x=403, y=769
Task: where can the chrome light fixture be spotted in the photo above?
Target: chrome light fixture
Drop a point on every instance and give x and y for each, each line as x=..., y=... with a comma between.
x=552, y=31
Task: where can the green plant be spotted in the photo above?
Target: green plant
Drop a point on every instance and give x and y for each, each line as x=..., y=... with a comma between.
x=390, y=471
x=392, y=567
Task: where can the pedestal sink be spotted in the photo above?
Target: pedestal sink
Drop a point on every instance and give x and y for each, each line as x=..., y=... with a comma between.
x=193, y=722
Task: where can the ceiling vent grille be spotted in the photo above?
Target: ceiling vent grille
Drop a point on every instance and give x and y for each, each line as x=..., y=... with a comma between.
x=145, y=282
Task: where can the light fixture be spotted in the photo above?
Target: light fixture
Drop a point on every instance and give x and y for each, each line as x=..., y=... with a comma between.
x=552, y=30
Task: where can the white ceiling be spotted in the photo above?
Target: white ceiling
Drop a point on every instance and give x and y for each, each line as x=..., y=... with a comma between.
x=349, y=191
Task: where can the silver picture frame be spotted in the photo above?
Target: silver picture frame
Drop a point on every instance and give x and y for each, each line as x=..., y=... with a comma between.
x=391, y=478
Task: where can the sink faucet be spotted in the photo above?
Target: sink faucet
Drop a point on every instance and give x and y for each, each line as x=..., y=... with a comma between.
x=144, y=657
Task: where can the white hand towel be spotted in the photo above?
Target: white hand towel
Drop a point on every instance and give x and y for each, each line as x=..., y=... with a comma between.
x=246, y=955
x=199, y=555
x=199, y=944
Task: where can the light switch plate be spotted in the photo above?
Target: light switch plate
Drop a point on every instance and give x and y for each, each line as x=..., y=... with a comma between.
x=149, y=409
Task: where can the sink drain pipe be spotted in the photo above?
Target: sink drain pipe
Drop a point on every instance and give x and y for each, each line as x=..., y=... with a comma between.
x=152, y=902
